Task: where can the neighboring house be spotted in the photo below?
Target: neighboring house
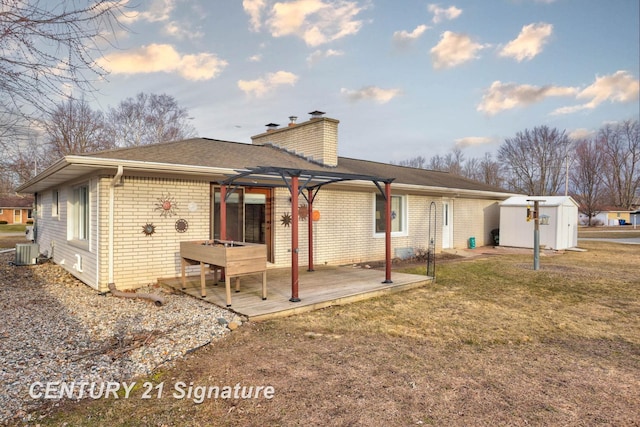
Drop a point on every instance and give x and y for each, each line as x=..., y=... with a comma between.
x=118, y=216
x=608, y=216
x=16, y=209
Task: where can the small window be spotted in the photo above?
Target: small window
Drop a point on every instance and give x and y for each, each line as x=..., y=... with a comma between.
x=398, y=215
x=81, y=212
x=1, y=211
x=55, y=203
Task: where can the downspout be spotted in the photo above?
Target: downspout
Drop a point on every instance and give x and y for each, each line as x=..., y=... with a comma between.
x=116, y=182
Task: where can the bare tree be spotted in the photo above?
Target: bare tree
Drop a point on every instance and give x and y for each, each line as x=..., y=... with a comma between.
x=586, y=178
x=534, y=160
x=149, y=119
x=417, y=162
x=49, y=46
x=454, y=161
x=621, y=145
x=75, y=128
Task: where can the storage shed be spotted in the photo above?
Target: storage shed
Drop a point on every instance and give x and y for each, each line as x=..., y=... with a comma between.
x=559, y=222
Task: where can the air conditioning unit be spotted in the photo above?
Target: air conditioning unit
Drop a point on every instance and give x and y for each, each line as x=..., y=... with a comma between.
x=27, y=253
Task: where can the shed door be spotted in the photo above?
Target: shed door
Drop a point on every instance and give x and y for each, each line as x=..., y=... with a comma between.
x=447, y=224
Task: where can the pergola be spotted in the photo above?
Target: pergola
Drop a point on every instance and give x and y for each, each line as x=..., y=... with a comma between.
x=297, y=181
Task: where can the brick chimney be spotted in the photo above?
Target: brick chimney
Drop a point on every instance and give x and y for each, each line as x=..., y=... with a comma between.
x=315, y=139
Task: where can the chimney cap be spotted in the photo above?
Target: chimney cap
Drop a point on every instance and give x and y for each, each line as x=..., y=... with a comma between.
x=316, y=114
x=272, y=125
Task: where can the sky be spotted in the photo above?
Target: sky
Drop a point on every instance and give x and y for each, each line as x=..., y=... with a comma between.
x=405, y=78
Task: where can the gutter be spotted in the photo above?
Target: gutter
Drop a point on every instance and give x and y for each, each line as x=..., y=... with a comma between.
x=116, y=182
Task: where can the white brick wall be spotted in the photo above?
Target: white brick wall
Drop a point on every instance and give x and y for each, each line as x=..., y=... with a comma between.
x=141, y=259
x=344, y=234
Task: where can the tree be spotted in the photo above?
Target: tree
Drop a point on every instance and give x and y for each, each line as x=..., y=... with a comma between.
x=148, y=119
x=417, y=162
x=47, y=47
x=586, y=177
x=75, y=128
x=621, y=145
x=535, y=159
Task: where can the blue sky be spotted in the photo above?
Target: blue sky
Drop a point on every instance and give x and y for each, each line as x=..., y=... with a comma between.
x=404, y=77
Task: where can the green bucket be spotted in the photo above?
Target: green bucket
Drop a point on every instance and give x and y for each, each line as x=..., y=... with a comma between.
x=472, y=242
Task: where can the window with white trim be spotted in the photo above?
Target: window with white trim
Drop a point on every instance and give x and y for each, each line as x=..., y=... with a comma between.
x=398, y=215
x=55, y=203
x=80, y=209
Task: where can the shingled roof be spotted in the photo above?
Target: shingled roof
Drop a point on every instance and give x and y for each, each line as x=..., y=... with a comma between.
x=16, y=202
x=234, y=155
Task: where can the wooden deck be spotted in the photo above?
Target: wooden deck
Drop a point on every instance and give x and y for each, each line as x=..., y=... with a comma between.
x=322, y=288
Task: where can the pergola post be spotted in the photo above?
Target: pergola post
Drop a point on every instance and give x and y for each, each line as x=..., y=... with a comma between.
x=387, y=232
x=294, y=239
x=223, y=212
x=310, y=230
x=223, y=221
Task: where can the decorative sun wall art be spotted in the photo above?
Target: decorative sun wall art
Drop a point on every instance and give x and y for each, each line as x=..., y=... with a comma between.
x=148, y=229
x=182, y=225
x=166, y=205
x=285, y=219
x=303, y=212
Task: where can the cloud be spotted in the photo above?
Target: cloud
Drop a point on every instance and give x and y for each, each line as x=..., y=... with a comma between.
x=529, y=42
x=319, y=55
x=381, y=96
x=156, y=58
x=404, y=38
x=506, y=96
x=470, y=141
x=255, y=58
x=182, y=32
x=579, y=134
x=254, y=9
x=454, y=49
x=315, y=21
x=268, y=83
x=620, y=86
x=158, y=11
x=440, y=14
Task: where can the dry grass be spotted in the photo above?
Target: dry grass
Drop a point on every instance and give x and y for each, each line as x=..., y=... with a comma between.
x=491, y=343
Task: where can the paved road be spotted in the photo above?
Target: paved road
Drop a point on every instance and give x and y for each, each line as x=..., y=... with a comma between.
x=625, y=240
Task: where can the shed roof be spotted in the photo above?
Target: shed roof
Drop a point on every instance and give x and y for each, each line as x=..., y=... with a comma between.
x=544, y=201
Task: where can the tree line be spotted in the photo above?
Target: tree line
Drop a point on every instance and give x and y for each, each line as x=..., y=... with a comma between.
x=74, y=127
x=599, y=172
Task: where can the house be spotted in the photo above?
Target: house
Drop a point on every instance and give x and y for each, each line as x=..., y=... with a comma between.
x=119, y=216
x=610, y=216
x=16, y=209
x=558, y=222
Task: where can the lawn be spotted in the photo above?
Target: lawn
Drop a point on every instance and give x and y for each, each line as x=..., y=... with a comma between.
x=492, y=342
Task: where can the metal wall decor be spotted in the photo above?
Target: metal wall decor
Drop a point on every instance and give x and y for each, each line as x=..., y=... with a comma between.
x=303, y=212
x=182, y=225
x=148, y=229
x=166, y=205
x=285, y=219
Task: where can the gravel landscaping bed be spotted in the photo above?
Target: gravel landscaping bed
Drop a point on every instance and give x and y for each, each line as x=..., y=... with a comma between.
x=55, y=328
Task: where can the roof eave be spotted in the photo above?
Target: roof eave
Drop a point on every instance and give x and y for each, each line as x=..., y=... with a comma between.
x=96, y=163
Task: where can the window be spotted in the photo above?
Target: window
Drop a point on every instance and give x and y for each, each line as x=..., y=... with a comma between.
x=55, y=203
x=81, y=212
x=398, y=215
